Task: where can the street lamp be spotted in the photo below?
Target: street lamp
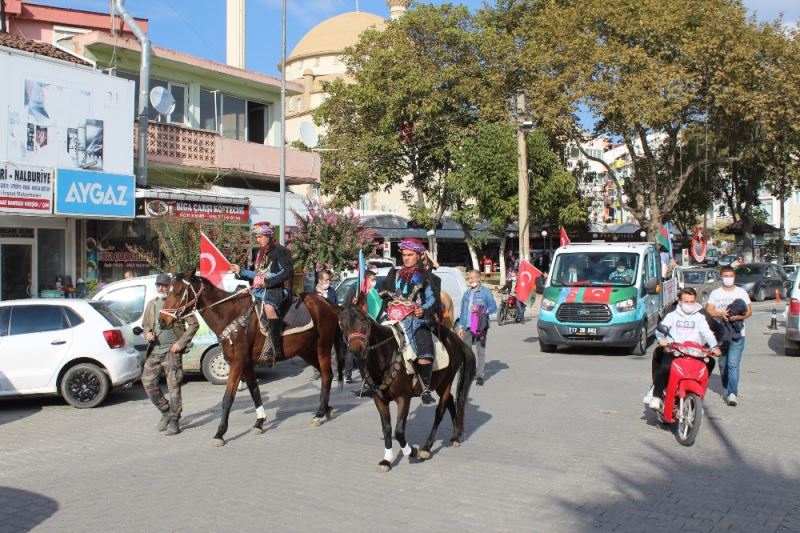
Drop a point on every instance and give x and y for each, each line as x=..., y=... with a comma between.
x=544, y=236
x=643, y=234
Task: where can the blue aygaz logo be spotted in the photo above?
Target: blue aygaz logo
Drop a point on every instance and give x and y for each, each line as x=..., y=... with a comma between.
x=85, y=193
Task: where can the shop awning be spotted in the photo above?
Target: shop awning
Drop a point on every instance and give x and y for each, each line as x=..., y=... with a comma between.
x=190, y=195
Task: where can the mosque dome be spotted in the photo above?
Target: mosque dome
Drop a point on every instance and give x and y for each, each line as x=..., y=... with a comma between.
x=333, y=35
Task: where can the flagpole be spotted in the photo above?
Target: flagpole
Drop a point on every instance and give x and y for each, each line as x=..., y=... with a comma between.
x=283, y=125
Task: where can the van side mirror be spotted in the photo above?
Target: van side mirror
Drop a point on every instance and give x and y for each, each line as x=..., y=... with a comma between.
x=138, y=330
x=652, y=286
x=661, y=328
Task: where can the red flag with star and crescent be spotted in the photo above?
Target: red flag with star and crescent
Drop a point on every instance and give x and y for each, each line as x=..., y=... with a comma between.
x=213, y=265
x=526, y=280
x=564, y=239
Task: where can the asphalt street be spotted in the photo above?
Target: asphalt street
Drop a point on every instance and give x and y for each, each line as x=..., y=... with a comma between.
x=554, y=442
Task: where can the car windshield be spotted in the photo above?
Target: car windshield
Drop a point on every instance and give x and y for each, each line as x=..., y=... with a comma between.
x=749, y=270
x=341, y=290
x=694, y=277
x=594, y=268
x=106, y=312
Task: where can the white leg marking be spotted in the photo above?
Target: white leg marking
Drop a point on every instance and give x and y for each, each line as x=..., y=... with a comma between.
x=407, y=450
x=260, y=412
x=388, y=455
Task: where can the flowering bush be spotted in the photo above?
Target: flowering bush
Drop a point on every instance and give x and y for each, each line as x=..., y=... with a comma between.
x=328, y=238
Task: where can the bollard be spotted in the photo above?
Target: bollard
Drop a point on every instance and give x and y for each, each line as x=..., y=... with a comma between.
x=773, y=323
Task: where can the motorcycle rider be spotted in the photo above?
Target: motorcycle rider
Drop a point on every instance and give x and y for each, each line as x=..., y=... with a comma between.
x=686, y=324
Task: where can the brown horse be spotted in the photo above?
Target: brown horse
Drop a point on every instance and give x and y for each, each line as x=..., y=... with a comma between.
x=382, y=364
x=231, y=317
x=447, y=310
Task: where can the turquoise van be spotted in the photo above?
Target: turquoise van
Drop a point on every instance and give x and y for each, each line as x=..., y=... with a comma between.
x=603, y=294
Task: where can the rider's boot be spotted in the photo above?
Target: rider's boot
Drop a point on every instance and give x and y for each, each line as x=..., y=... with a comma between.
x=275, y=325
x=424, y=372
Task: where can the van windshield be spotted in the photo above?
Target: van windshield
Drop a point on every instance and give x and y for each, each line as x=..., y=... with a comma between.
x=595, y=268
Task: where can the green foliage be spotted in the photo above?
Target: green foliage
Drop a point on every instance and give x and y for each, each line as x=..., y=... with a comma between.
x=328, y=238
x=553, y=191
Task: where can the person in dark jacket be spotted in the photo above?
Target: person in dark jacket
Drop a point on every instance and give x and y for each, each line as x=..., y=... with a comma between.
x=325, y=290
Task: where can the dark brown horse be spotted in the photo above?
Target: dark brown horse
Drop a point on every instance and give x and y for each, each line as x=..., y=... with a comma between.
x=382, y=364
x=231, y=317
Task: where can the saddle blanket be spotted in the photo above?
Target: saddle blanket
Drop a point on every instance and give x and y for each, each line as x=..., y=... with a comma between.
x=441, y=358
x=296, y=320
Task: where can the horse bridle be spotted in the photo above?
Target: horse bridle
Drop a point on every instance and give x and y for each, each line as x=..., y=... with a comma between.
x=365, y=338
x=182, y=310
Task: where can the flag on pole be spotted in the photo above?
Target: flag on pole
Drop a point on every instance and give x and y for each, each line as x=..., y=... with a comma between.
x=526, y=280
x=564, y=239
x=664, y=238
x=362, y=270
x=213, y=265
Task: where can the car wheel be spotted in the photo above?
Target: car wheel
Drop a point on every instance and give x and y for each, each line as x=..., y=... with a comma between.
x=84, y=386
x=641, y=347
x=215, y=367
x=546, y=348
x=791, y=348
x=704, y=299
x=761, y=295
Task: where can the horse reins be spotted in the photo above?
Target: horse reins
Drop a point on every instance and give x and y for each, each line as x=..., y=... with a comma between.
x=178, y=312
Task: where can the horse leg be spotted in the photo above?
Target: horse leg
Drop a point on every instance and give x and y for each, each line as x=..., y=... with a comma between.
x=227, y=402
x=451, y=408
x=326, y=378
x=255, y=393
x=444, y=394
x=386, y=424
x=403, y=404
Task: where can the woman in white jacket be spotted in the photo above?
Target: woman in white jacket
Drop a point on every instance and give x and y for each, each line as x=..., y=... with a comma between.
x=686, y=323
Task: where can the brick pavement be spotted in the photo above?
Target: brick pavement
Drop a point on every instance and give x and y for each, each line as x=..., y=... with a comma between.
x=555, y=442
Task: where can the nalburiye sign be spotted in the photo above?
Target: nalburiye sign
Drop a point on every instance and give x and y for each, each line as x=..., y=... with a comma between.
x=95, y=194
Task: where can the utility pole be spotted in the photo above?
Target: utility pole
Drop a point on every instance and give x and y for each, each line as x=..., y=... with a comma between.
x=282, y=140
x=522, y=165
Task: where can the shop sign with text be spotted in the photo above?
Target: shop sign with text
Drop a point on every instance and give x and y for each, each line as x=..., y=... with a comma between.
x=26, y=189
x=96, y=194
x=195, y=210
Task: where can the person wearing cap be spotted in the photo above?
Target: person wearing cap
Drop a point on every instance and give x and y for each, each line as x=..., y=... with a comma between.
x=267, y=275
x=413, y=283
x=165, y=357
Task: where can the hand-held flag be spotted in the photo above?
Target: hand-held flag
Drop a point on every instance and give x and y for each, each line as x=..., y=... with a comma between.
x=526, y=280
x=213, y=265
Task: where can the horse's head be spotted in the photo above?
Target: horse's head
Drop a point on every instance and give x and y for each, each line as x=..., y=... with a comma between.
x=181, y=297
x=355, y=324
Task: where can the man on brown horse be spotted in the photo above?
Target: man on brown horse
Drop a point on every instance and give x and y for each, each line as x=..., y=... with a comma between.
x=414, y=304
x=267, y=275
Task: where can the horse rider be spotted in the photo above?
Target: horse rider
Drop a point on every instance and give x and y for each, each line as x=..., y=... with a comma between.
x=268, y=274
x=411, y=293
x=164, y=356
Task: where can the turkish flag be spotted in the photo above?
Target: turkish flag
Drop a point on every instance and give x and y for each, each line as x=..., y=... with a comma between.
x=526, y=280
x=564, y=239
x=213, y=265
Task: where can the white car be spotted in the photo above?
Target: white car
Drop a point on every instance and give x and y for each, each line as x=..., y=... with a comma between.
x=128, y=297
x=74, y=348
x=453, y=283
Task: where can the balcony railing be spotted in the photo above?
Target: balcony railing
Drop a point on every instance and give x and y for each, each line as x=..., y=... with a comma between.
x=175, y=146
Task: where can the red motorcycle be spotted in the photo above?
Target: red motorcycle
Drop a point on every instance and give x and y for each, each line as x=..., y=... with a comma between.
x=682, y=403
x=508, y=308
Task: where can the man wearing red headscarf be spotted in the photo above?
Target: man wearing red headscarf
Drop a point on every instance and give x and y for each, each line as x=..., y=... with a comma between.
x=269, y=274
x=412, y=285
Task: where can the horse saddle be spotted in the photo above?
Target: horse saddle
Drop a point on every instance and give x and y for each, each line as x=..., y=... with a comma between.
x=296, y=318
x=441, y=358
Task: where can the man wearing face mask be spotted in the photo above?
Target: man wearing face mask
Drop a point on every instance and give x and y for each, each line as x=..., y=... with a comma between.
x=622, y=274
x=730, y=304
x=325, y=290
x=164, y=357
x=685, y=323
x=476, y=306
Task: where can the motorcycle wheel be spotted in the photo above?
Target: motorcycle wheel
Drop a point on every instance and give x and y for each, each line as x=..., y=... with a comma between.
x=690, y=414
x=501, y=315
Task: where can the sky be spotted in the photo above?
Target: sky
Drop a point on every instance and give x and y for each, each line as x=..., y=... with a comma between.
x=197, y=27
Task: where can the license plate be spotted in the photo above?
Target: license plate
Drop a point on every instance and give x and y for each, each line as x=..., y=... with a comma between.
x=582, y=331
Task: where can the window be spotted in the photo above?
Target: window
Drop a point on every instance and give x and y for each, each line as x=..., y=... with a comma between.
x=210, y=108
x=73, y=317
x=106, y=312
x=5, y=314
x=37, y=318
x=62, y=36
x=51, y=257
x=234, y=111
x=179, y=93
x=127, y=302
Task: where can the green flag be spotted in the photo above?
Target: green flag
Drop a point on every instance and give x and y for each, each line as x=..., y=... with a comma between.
x=374, y=303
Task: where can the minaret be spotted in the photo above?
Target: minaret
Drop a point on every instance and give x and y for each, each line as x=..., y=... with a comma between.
x=235, y=43
x=397, y=8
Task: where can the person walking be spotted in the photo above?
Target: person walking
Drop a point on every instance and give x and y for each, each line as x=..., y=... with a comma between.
x=164, y=357
x=476, y=306
x=731, y=305
x=325, y=290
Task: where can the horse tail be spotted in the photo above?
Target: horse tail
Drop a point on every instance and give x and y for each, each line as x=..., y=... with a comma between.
x=466, y=374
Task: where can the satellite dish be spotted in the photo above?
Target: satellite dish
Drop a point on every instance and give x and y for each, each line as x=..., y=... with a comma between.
x=162, y=100
x=308, y=134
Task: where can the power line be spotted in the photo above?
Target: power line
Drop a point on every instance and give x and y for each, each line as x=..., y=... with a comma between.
x=193, y=29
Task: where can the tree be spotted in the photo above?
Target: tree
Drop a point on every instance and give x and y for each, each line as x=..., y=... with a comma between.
x=402, y=119
x=648, y=71
x=328, y=238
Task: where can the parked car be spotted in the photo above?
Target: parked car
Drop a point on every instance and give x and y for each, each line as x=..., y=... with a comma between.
x=73, y=348
x=703, y=280
x=128, y=297
x=762, y=280
x=453, y=283
x=792, y=333
x=791, y=271
x=728, y=260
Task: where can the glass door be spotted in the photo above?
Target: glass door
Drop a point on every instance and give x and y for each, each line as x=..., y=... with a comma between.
x=16, y=270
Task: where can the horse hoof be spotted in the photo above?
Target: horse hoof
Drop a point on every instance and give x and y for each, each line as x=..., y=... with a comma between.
x=423, y=454
x=384, y=467
x=316, y=422
x=256, y=431
x=414, y=452
x=455, y=444
x=216, y=443
x=330, y=413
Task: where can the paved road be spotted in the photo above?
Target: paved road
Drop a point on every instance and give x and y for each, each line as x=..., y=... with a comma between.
x=555, y=442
